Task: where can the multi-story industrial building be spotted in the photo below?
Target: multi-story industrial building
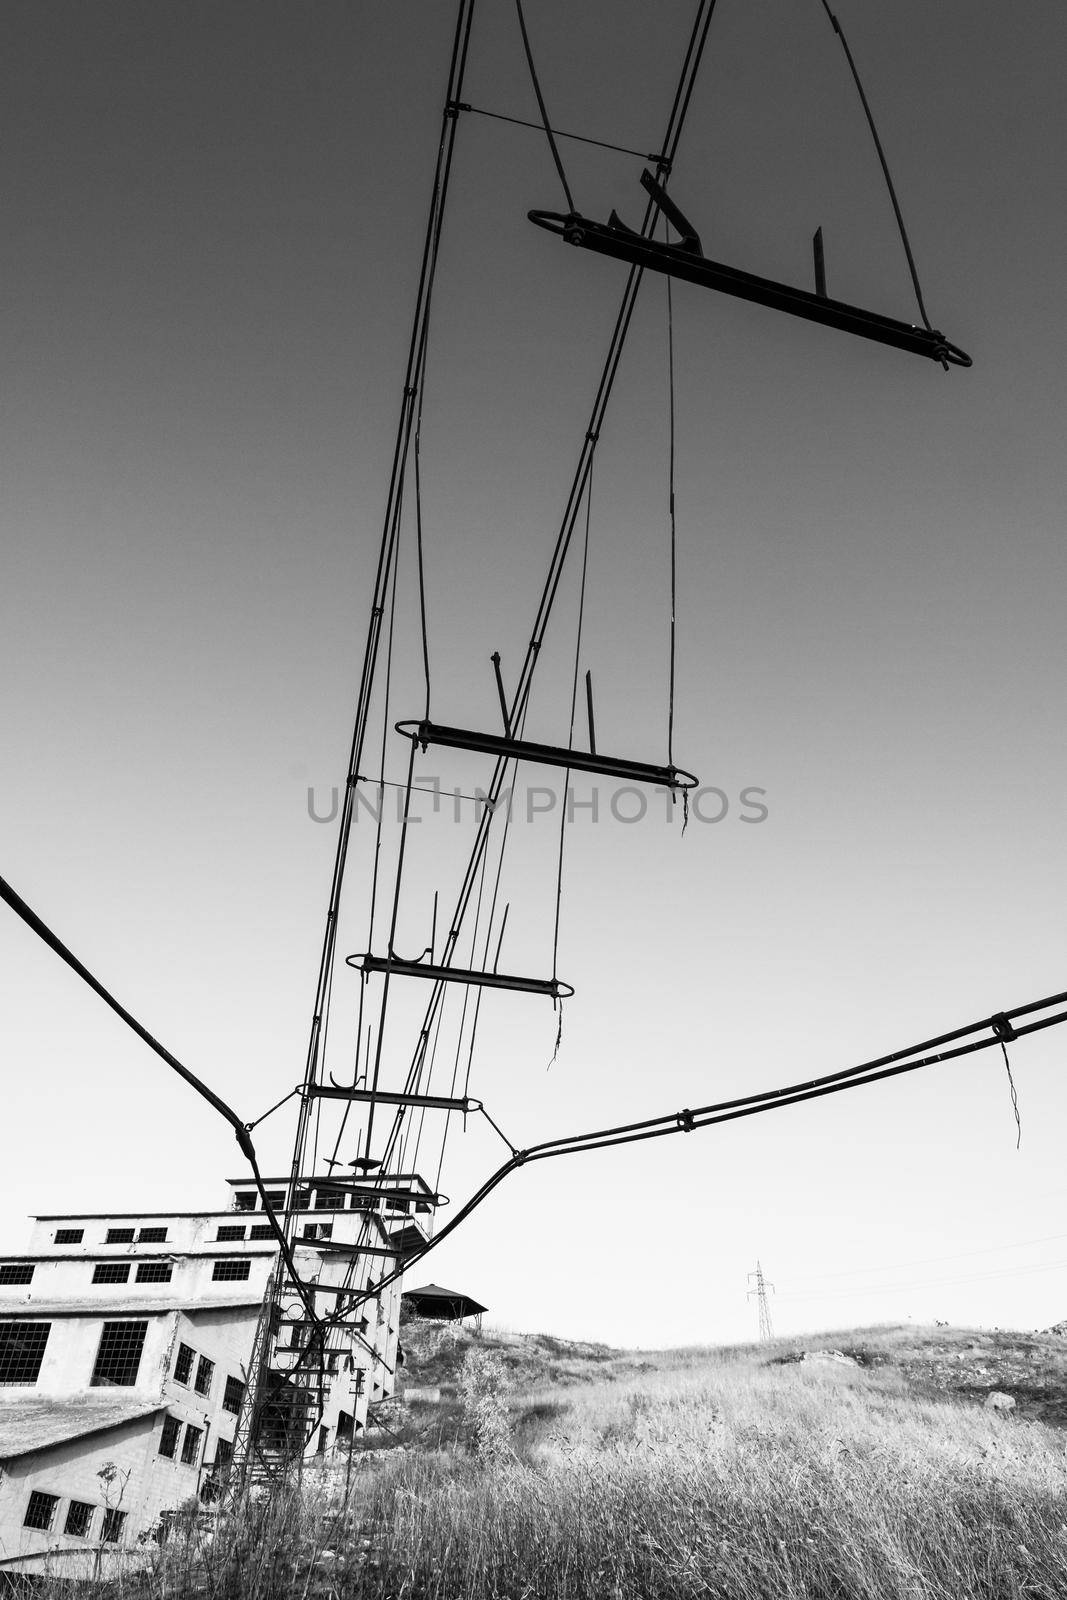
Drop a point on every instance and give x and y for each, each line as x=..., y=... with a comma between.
x=125, y=1350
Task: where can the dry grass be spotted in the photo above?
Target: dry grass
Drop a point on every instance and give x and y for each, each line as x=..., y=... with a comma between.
x=723, y=1475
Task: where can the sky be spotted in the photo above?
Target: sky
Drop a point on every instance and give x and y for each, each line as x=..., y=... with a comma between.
x=213, y=218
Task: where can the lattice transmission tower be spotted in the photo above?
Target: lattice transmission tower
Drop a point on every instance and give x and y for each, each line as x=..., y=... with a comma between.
x=760, y=1291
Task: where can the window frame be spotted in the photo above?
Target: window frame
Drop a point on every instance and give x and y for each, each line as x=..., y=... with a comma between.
x=204, y=1387
x=16, y=1354
x=182, y=1351
x=112, y=1525
x=233, y=1390
x=79, y=1533
x=39, y=1495
x=230, y=1270
x=119, y=1235
x=111, y=1271
x=70, y=1236
x=14, y=1274
x=165, y=1434
x=120, y=1339
x=192, y=1432
x=154, y=1271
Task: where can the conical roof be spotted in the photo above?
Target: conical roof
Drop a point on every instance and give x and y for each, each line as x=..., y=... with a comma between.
x=445, y=1304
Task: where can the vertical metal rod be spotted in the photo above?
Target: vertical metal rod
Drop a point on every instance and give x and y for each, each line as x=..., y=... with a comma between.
x=495, y=659
x=820, y=263
x=589, y=707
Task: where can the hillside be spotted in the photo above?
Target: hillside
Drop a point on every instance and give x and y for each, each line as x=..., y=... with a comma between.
x=863, y=1464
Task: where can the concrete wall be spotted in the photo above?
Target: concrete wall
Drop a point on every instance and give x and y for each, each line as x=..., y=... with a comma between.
x=72, y=1471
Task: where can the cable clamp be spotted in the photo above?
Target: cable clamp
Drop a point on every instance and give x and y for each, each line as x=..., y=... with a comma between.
x=411, y=391
x=662, y=161
x=593, y=438
x=1002, y=1027
x=685, y=1121
x=454, y=107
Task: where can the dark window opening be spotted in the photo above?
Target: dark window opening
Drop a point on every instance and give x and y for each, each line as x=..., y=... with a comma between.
x=119, y=1236
x=230, y=1271
x=275, y=1197
x=111, y=1532
x=152, y=1236
x=329, y=1200
x=183, y=1364
x=245, y=1202
x=191, y=1445
x=153, y=1272
x=41, y=1511
x=227, y=1234
x=16, y=1272
x=344, y=1426
x=79, y=1519
x=111, y=1272
x=223, y=1453
x=119, y=1355
x=70, y=1236
x=262, y=1230
x=22, y=1350
x=205, y=1371
x=168, y=1438
x=232, y=1396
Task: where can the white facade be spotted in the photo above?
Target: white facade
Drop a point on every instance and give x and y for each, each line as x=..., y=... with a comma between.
x=124, y=1350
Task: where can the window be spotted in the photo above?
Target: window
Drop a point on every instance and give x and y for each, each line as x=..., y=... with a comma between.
x=227, y=1234
x=153, y=1272
x=230, y=1271
x=329, y=1200
x=275, y=1197
x=152, y=1236
x=119, y=1236
x=245, y=1202
x=22, y=1350
x=223, y=1453
x=317, y=1230
x=16, y=1272
x=168, y=1438
x=191, y=1445
x=262, y=1230
x=111, y=1272
x=119, y=1356
x=111, y=1532
x=70, y=1236
x=79, y=1519
x=205, y=1371
x=233, y=1395
x=183, y=1364
x=41, y=1511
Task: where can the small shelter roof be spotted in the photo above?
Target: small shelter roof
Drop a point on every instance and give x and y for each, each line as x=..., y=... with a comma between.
x=446, y=1305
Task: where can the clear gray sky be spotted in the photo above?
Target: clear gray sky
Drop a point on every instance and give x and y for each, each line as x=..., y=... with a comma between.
x=212, y=218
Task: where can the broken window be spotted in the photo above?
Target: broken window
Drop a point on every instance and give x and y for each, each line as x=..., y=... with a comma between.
x=191, y=1445
x=152, y=1236
x=230, y=1271
x=111, y=1272
x=227, y=1234
x=168, y=1438
x=22, y=1350
x=79, y=1519
x=41, y=1510
x=16, y=1272
x=205, y=1371
x=329, y=1200
x=119, y=1355
x=275, y=1197
x=233, y=1395
x=183, y=1365
x=119, y=1236
x=153, y=1271
x=245, y=1202
x=111, y=1532
x=70, y=1236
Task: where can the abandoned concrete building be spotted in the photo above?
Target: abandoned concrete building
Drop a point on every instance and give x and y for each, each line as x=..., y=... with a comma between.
x=125, y=1348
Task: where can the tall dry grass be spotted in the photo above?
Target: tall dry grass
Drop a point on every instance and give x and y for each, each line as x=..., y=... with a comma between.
x=726, y=1479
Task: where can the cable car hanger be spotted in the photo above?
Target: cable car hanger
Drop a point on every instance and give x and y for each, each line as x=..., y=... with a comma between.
x=686, y=259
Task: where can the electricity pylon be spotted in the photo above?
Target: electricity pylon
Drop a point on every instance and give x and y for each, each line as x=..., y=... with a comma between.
x=760, y=1291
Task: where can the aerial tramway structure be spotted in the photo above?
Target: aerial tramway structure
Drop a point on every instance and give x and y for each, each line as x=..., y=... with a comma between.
x=379, y=1136
x=306, y=1330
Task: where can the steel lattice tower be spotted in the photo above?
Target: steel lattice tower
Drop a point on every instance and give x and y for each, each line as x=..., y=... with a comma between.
x=760, y=1291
